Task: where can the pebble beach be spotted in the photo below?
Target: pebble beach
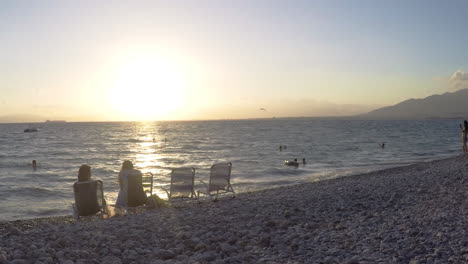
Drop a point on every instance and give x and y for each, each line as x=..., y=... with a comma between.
x=412, y=214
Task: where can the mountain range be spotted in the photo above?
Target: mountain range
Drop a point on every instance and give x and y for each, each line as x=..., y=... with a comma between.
x=443, y=106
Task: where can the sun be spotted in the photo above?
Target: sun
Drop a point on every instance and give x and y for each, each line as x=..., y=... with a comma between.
x=147, y=88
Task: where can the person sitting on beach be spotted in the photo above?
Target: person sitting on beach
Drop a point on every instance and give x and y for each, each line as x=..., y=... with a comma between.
x=127, y=173
x=464, y=130
x=84, y=173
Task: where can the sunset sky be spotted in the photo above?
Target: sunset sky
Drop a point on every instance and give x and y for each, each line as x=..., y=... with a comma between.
x=171, y=60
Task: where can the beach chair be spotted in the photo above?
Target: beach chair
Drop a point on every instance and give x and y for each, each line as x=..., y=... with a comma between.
x=89, y=199
x=219, y=182
x=182, y=184
x=136, y=194
x=148, y=183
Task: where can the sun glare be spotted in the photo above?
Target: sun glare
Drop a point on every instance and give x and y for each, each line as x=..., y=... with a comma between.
x=147, y=88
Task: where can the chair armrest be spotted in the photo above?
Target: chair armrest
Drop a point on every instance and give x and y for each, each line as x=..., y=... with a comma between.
x=164, y=189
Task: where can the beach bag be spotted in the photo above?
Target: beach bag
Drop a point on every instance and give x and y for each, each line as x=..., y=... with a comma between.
x=155, y=202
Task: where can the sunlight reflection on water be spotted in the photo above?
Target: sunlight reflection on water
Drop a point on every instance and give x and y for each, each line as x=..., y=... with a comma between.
x=331, y=148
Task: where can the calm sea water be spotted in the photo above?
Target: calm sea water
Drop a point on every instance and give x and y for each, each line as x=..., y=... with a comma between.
x=331, y=147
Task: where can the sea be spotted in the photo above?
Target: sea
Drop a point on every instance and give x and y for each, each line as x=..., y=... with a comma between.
x=331, y=147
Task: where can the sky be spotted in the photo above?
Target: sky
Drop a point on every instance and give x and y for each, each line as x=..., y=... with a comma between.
x=185, y=60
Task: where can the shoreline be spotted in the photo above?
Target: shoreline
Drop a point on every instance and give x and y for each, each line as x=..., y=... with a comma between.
x=412, y=214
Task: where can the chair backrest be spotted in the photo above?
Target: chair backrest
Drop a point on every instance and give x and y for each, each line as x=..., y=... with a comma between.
x=220, y=176
x=135, y=192
x=89, y=197
x=182, y=181
x=148, y=183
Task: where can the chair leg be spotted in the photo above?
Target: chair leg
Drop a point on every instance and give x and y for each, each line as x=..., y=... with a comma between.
x=75, y=212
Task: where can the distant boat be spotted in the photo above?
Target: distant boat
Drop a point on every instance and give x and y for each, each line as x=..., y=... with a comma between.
x=31, y=129
x=55, y=121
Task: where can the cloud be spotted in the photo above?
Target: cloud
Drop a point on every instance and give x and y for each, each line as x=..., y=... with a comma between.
x=458, y=80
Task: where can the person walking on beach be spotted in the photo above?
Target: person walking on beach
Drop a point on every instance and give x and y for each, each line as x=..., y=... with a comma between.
x=126, y=172
x=464, y=130
x=84, y=173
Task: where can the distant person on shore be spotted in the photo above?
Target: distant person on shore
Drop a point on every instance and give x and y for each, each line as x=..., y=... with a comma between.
x=126, y=172
x=34, y=164
x=84, y=173
x=281, y=148
x=303, y=161
x=464, y=130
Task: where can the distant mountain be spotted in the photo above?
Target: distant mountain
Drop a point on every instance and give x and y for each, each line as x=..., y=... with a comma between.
x=447, y=105
x=21, y=118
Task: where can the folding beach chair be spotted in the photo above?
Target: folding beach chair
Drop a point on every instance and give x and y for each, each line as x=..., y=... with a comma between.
x=182, y=184
x=220, y=181
x=89, y=199
x=136, y=193
x=147, y=181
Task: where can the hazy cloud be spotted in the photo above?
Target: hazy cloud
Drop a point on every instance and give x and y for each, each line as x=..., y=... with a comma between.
x=458, y=80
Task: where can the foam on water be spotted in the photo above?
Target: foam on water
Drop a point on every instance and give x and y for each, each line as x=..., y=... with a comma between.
x=332, y=148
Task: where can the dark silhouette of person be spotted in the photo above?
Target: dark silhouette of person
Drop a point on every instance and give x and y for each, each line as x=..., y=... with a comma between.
x=84, y=173
x=382, y=145
x=464, y=130
x=34, y=164
x=131, y=190
x=303, y=161
x=281, y=148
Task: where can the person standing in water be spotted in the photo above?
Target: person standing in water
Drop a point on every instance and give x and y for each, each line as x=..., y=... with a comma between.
x=464, y=130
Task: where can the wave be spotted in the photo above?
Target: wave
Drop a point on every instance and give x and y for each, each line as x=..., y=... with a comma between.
x=36, y=192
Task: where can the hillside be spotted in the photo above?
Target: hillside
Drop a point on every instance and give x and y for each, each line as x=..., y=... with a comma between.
x=447, y=105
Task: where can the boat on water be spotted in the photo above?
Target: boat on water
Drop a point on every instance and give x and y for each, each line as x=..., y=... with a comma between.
x=31, y=129
x=291, y=163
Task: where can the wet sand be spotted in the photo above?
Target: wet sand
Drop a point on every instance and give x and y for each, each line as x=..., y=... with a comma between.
x=412, y=214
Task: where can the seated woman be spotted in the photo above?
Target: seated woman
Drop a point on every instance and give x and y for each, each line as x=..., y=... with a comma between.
x=89, y=195
x=131, y=188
